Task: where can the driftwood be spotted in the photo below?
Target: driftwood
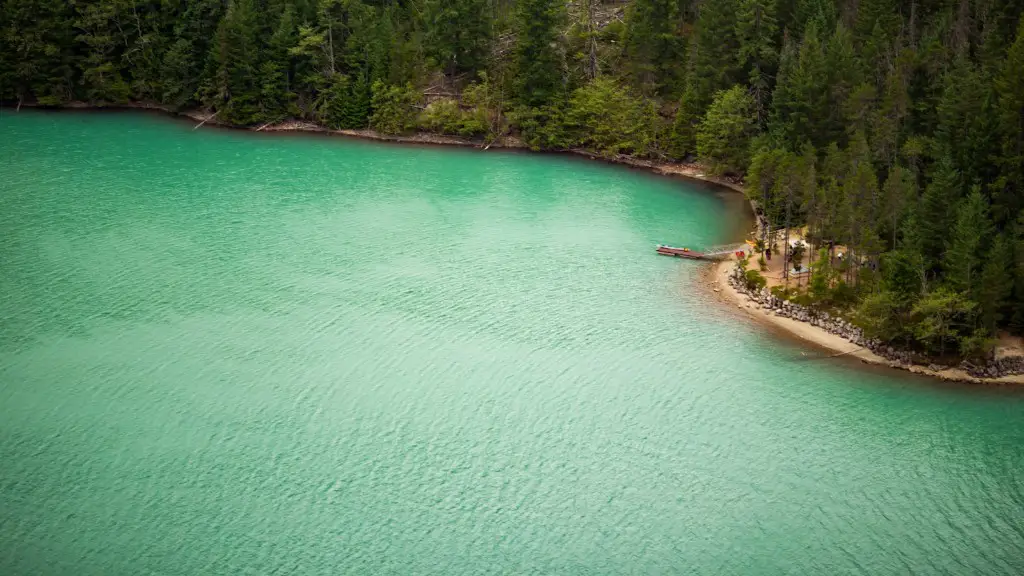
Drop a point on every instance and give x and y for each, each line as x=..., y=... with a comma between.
x=268, y=124
x=208, y=118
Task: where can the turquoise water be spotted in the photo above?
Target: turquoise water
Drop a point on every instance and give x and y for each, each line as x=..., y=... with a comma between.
x=230, y=353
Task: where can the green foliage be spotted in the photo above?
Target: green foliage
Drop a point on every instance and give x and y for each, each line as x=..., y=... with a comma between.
x=723, y=138
x=966, y=248
x=942, y=318
x=716, y=56
x=542, y=128
x=756, y=29
x=996, y=283
x=651, y=46
x=604, y=116
x=801, y=106
x=754, y=280
x=683, y=136
x=538, y=51
x=447, y=117
x=393, y=108
x=458, y=33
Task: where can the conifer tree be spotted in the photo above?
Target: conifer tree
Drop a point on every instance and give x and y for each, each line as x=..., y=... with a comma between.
x=800, y=109
x=458, y=34
x=756, y=28
x=651, y=45
x=1009, y=87
x=966, y=248
x=715, y=51
x=538, y=52
x=233, y=89
x=996, y=284
x=935, y=215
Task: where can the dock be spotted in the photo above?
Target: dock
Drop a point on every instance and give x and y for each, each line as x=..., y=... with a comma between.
x=714, y=253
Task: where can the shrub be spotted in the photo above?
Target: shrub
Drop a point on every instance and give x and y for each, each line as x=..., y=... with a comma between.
x=393, y=108
x=605, y=117
x=441, y=116
x=724, y=136
x=541, y=128
x=447, y=117
x=754, y=280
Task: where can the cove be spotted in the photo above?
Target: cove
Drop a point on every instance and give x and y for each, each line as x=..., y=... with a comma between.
x=226, y=353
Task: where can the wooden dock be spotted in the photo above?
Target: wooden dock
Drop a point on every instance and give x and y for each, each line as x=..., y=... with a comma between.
x=716, y=253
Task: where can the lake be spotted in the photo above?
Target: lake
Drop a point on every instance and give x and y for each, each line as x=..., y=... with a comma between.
x=234, y=353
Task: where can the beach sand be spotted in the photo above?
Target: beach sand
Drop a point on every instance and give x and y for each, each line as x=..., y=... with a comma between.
x=835, y=345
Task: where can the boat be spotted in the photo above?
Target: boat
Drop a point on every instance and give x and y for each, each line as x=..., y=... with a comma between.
x=679, y=252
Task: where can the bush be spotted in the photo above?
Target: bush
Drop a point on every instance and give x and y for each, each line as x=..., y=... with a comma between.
x=762, y=264
x=541, y=128
x=442, y=117
x=605, y=117
x=447, y=117
x=724, y=136
x=393, y=107
x=977, y=346
x=754, y=280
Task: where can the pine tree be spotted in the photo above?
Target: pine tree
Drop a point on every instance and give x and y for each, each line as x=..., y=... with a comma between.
x=1009, y=86
x=966, y=248
x=756, y=28
x=538, y=52
x=996, y=284
x=899, y=193
x=651, y=45
x=964, y=127
x=723, y=138
x=234, y=89
x=458, y=34
x=935, y=215
x=684, y=127
x=800, y=109
x=715, y=52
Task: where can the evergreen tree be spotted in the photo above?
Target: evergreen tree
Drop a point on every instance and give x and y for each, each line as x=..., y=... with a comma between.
x=996, y=284
x=899, y=194
x=968, y=239
x=756, y=28
x=684, y=127
x=723, y=138
x=801, y=106
x=1009, y=87
x=715, y=51
x=651, y=45
x=538, y=52
x=458, y=34
x=935, y=215
x=233, y=89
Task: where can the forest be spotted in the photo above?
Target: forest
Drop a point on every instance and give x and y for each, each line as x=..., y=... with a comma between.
x=894, y=128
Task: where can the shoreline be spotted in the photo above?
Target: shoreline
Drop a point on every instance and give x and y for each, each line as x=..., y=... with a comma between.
x=820, y=338
x=805, y=332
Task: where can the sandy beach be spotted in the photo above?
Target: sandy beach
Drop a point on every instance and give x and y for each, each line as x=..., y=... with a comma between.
x=825, y=340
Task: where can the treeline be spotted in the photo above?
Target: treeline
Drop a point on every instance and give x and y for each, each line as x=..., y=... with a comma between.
x=892, y=128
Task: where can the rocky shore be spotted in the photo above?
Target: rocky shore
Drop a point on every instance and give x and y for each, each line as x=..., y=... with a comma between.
x=1008, y=369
